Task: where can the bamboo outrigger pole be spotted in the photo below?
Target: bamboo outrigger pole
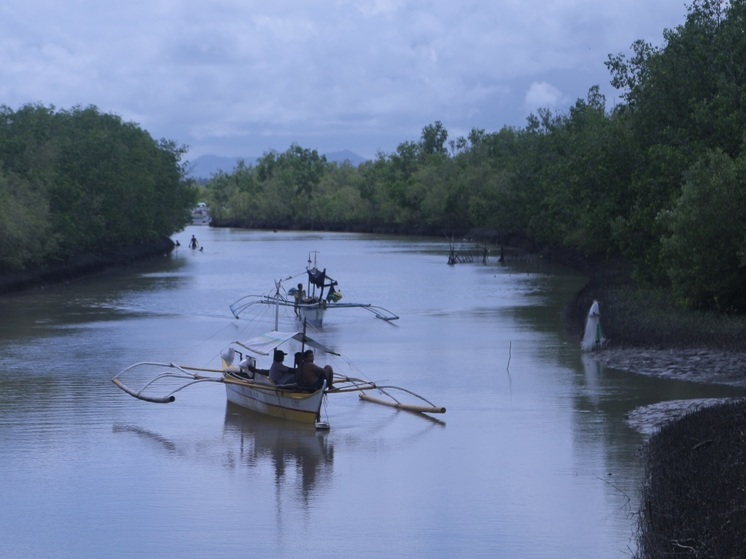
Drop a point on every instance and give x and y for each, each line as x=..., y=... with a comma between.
x=400, y=406
x=156, y=400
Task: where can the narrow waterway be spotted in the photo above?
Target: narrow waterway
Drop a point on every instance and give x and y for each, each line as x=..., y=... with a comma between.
x=534, y=457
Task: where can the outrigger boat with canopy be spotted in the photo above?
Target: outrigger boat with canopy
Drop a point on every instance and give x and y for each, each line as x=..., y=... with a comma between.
x=251, y=388
x=320, y=294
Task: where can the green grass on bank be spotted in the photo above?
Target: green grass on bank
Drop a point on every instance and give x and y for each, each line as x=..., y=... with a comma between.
x=635, y=316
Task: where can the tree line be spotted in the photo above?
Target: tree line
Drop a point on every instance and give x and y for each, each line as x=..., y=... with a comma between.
x=658, y=180
x=79, y=181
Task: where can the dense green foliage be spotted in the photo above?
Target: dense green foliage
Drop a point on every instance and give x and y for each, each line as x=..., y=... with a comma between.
x=79, y=181
x=659, y=180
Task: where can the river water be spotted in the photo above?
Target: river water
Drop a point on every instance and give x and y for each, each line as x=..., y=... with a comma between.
x=534, y=457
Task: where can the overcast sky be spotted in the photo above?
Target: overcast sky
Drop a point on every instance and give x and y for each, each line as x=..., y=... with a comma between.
x=241, y=77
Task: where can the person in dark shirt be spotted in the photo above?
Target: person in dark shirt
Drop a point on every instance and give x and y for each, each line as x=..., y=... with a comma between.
x=313, y=376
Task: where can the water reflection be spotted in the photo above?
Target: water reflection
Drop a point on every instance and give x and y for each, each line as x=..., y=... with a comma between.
x=592, y=372
x=534, y=429
x=145, y=434
x=86, y=301
x=298, y=454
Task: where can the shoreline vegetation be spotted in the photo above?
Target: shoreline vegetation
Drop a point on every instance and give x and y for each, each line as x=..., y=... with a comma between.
x=693, y=497
x=82, y=265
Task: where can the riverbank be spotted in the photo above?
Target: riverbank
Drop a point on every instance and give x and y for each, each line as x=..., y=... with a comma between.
x=83, y=265
x=647, y=334
x=693, y=499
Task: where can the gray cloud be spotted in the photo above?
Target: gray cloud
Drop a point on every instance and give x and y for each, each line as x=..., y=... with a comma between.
x=239, y=77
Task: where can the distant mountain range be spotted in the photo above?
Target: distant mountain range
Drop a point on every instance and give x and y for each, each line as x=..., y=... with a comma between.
x=207, y=165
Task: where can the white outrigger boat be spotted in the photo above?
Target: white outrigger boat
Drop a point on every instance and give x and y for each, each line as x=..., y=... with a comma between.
x=251, y=388
x=320, y=294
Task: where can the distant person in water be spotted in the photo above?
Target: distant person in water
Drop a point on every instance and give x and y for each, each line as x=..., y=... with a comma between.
x=193, y=243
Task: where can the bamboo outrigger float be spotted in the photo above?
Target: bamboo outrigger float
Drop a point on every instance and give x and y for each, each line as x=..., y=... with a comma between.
x=251, y=388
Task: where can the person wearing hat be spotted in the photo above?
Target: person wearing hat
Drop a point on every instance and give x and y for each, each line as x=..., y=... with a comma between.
x=280, y=373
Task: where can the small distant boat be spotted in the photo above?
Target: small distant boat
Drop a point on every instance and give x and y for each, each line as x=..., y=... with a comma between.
x=252, y=389
x=200, y=215
x=311, y=302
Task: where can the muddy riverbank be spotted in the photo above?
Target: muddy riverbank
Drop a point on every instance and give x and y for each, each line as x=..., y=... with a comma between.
x=648, y=335
x=711, y=366
x=85, y=264
x=694, y=495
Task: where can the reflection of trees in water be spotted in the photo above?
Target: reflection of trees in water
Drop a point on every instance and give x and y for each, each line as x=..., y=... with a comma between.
x=287, y=445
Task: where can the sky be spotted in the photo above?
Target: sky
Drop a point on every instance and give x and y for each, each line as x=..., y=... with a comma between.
x=238, y=78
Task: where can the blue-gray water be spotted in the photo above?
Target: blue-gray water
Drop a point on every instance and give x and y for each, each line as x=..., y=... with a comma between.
x=533, y=458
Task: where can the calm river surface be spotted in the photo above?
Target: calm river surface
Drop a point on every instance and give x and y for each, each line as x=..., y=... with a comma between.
x=533, y=458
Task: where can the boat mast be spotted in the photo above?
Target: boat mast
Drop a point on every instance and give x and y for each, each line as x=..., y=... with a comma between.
x=311, y=287
x=278, y=283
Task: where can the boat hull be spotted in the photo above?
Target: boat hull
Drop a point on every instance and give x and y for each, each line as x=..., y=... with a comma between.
x=302, y=407
x=313, y=315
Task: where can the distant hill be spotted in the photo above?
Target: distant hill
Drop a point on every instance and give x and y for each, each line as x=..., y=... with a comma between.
x=207, y=165
x=345, y=155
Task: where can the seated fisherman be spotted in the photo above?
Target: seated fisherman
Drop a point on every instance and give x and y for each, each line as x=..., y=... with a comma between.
x=280, y=373
x=313, y=376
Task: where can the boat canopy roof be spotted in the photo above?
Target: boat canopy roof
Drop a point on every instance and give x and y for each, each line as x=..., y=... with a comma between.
x=266, y=343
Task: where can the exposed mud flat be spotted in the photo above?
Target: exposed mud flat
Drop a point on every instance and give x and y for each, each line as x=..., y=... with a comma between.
x=694, y=365
x=648, y=420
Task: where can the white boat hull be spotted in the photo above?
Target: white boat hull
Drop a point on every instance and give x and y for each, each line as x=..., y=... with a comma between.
x=313, y=315
x=302, y=407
